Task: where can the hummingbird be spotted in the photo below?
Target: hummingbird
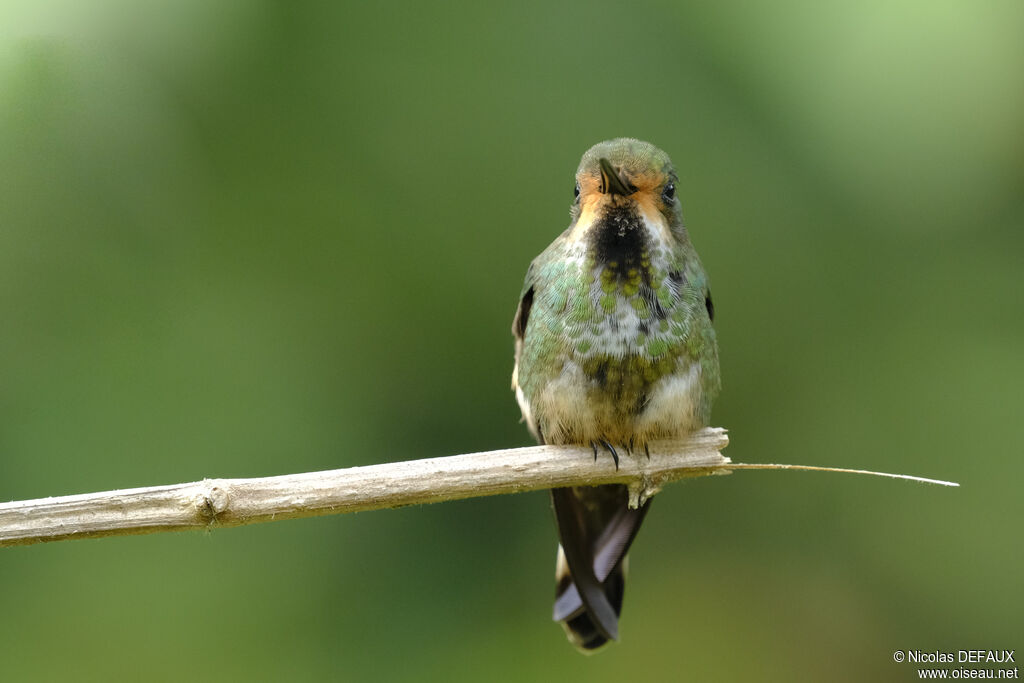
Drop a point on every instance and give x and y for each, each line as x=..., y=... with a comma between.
x=615, y=349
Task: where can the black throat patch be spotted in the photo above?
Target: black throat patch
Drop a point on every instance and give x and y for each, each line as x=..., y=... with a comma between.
x=619, y=238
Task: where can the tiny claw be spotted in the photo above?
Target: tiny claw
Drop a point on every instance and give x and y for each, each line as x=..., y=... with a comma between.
x=594, y=446
x=629, y=446
x=611, y=449
x=647, y=451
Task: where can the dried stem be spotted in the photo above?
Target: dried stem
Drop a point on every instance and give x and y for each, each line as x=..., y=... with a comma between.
x=233, y=502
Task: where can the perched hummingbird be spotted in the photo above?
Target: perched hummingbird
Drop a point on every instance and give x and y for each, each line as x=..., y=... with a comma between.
x=614, y=348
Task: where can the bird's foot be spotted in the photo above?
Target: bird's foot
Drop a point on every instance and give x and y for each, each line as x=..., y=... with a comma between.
x=628, y=446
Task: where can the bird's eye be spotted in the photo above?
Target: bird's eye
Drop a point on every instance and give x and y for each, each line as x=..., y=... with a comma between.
x=576, y=192
x=669, y=193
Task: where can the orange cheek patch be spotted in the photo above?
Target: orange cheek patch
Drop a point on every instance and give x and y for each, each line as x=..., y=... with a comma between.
x=590, y=184
x=649, y=205
x=649, y=181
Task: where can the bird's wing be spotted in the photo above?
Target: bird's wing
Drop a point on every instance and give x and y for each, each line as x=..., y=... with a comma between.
x=519, y=323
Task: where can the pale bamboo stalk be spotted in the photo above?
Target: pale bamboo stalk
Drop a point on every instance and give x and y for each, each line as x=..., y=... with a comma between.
x=232, y=502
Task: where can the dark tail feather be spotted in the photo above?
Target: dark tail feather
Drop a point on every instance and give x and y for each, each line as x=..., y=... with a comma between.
x=580, y=627
x=595, y=527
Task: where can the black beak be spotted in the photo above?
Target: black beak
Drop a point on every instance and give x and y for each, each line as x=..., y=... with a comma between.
x=612, y=182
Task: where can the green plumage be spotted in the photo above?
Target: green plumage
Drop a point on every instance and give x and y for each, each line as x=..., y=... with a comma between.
x=614, y=347
x=627, y=323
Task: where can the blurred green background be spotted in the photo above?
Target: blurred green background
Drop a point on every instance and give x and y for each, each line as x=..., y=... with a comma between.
x=255, y=238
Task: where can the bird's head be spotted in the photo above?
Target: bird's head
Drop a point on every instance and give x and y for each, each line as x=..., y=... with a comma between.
x=628, y=178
